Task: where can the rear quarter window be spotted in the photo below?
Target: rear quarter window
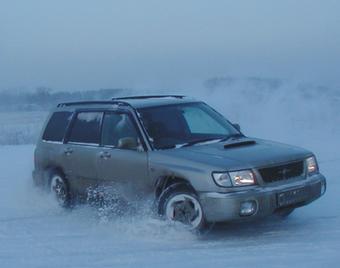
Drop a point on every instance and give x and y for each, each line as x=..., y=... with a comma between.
x=56, y=126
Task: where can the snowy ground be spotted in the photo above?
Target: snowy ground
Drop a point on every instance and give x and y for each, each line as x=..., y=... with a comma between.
x=20, y=127
x=34, y=232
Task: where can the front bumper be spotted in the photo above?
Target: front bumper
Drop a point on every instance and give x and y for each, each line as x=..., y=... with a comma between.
x=220, y=207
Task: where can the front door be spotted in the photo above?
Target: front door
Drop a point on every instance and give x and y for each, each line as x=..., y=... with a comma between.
x=122, y=160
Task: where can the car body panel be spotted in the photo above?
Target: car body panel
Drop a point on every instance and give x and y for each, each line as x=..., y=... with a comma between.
x=80, y=166
x=263, y=153
x=221, y=207
x=126, y=168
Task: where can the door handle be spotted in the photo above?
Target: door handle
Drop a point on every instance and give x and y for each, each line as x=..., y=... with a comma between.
x=68, y=151
x=105, y=155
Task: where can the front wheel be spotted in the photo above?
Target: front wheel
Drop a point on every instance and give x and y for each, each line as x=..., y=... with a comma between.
x=178, y=203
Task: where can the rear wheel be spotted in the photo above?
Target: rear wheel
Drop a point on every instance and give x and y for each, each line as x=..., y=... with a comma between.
x=178, y=203
x=59, y=189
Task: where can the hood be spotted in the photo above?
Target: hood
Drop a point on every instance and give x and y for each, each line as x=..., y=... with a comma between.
x=246, y=154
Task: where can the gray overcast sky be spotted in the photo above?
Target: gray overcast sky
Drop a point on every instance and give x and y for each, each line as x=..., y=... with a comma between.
x=71, y=44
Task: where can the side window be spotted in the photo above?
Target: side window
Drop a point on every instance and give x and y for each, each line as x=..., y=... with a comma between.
x=120, y=132
x=200, y=122
x=56, y=126
x=86, y=128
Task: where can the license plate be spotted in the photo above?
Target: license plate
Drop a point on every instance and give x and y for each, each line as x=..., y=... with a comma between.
x=292, y=197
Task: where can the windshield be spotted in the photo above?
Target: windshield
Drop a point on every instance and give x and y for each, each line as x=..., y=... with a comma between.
x=184, y=124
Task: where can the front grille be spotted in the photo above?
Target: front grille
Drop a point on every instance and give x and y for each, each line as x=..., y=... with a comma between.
x=282, y=172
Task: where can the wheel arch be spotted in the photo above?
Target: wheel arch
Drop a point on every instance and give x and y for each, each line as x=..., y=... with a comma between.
x=164, y=182
x=49, y=171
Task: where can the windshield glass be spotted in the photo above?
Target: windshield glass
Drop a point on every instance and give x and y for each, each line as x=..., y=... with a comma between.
x=184, y=124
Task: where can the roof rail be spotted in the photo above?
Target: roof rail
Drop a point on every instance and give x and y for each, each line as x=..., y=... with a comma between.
x=113, y=102
x=149, y=97
x=119, y=100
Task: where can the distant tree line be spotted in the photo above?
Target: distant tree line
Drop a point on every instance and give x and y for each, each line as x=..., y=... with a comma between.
x=44, y=98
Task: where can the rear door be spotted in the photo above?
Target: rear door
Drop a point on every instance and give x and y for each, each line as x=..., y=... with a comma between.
x=81, y=150
x=122, y=160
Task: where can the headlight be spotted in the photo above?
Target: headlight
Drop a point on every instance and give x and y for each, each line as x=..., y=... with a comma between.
x=242, y=178
x=235, y=178
x=222, y=179
x=312, y=165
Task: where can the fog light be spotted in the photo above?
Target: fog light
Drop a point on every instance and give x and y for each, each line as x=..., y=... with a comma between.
x=323, y=188
x=248, y=208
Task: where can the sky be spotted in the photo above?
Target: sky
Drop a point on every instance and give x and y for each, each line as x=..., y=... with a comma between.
x=83, y=44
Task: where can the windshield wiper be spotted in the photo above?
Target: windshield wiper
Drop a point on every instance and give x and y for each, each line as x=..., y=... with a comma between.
x=166, y=147
x=233, y=136
x=190, y=143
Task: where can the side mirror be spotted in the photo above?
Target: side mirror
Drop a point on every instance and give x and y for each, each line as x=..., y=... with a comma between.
x=237, y=126
x=128, y=143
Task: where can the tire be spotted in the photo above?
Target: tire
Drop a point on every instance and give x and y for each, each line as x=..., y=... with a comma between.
x=59, y=189
x=179, y=203
x=284, y=212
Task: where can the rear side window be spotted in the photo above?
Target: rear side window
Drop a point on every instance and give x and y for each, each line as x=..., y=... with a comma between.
x=56, y=126
x=86, y=128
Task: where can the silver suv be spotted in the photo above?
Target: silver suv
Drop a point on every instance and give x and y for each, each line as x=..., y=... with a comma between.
x=199, y=167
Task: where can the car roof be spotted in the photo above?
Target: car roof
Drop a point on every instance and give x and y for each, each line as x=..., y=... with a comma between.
x=137, y=102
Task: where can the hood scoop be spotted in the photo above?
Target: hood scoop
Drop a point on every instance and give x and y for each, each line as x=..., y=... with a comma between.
x=239, y=143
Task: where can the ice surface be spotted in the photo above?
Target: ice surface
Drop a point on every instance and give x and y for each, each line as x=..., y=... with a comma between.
x=35, y=232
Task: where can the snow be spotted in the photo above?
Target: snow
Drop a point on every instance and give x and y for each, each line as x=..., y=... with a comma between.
x=35, y=232
x=20, y=127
